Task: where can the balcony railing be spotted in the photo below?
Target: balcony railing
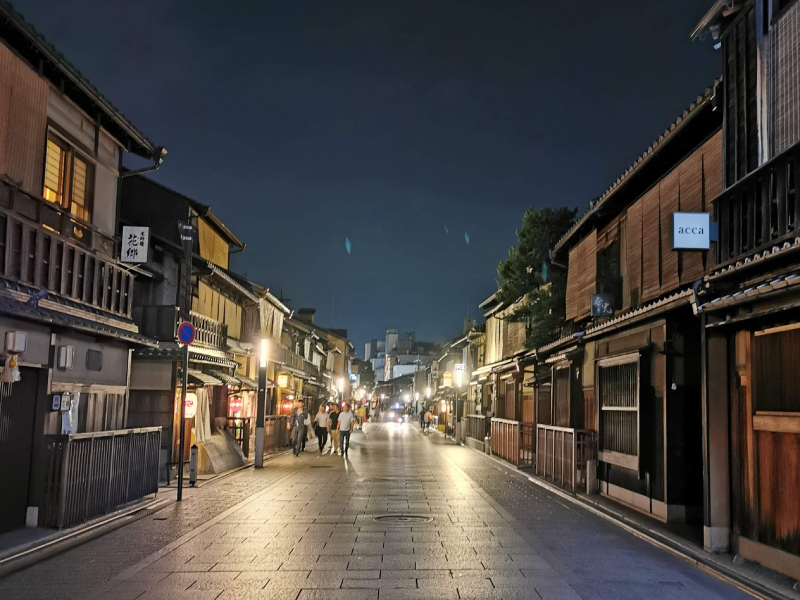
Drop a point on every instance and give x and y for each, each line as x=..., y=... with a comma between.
x=761, y=210
x=43, y=246
x=562, y=455
x=91, y=474
x=208, y=332
x=286, y=357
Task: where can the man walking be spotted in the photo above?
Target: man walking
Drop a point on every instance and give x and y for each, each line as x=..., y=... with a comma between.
x=321, y=427
x=333, y=428
x=297, y=426
x=346, y=421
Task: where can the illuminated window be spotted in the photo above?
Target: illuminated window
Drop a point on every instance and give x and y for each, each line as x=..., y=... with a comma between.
x=68, y=179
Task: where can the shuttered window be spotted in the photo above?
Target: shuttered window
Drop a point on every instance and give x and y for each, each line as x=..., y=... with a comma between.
x=582, y=277
x=68, y=179
x=618, y=395
x=54, y=173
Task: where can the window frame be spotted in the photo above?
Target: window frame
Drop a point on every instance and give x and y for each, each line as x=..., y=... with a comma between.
x=72, y=151
x=626, y=461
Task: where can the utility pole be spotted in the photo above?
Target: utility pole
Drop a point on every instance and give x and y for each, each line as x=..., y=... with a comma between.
x=186, y=232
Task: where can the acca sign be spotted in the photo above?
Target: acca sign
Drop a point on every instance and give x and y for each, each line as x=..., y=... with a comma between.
x=691, y=231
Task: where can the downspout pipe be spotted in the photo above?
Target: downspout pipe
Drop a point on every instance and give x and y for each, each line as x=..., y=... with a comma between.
x=158, y=158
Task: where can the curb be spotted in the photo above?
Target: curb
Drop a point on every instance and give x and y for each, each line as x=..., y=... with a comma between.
x=694, y=558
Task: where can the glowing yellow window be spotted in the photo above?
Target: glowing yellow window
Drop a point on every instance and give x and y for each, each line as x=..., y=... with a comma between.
x=54, y=172
x=80, y=182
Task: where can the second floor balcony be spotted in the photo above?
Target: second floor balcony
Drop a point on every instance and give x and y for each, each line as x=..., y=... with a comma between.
x=41, y=245
x=760, y=211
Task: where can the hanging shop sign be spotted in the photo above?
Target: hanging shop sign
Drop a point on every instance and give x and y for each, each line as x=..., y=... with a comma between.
x=236, y=404
x=135, y=242
x=283, y=381
x=447, y=379
x=691, y=231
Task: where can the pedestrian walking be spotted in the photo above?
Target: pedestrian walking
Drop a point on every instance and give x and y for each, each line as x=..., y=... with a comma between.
x=321, y=427
x=422, y=420
x=428, y=419
x=333, y=428
x=346, y=422
x=297, y=426
x=306, y=429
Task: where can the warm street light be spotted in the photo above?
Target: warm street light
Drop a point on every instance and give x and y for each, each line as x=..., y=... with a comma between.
x=427, y=392
x=407, y=398
x=261, y=407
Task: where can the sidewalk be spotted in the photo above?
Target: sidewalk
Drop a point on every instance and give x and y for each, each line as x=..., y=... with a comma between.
x=677, y=539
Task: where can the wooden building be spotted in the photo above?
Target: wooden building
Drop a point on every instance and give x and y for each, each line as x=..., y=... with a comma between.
x=749, y=302
x=230, y=316
x=65, y=300
x=625, y=389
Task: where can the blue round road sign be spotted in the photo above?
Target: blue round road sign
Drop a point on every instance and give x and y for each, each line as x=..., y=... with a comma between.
x=186, y=333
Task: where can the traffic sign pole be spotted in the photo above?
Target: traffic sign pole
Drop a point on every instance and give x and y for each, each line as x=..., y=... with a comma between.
x=186, y=232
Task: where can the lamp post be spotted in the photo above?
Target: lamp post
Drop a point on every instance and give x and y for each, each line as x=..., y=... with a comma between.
x=457, y=399
x=340, y=385
x=263, y=360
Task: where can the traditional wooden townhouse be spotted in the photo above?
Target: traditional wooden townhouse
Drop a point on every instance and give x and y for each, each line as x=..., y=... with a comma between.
x=230, y=315
x=749, y=303
x=498, y=384
x=306, y=376
x=65, y=299
x=624, y=380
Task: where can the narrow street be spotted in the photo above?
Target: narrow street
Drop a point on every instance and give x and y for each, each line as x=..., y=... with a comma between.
x=323, y=527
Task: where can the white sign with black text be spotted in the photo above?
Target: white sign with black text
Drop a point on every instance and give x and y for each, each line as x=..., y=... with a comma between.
x=691, y=231
x=135, y=242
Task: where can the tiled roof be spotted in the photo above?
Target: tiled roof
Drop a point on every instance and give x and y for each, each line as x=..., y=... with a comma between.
x=24, y=310
x=595, y=204
x=554, y=344
x=682, y=297
x=70, y=73
x=751, y=293
x=756, y=258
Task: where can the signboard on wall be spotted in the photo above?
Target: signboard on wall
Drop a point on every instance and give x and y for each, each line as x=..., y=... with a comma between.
x=691, y=231
x=447, y=379
x=602, y=305
x=135, y=243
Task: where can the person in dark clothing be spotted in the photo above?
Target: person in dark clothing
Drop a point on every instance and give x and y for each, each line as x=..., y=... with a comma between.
x=297, y=426
x=321, y=427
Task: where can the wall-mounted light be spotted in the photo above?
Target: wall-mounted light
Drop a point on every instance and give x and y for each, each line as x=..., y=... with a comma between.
x=66, y=357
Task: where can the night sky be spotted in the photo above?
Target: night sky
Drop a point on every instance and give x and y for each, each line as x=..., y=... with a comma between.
x=387, y=123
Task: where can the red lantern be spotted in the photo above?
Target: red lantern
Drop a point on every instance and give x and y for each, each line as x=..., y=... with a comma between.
x=287, y=405
x=236, y=405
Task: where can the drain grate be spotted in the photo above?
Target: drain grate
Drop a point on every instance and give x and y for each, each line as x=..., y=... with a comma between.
x=403, y=519
x=321, y=466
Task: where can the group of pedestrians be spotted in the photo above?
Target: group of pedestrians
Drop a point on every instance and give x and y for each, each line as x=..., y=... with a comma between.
x=332, y=422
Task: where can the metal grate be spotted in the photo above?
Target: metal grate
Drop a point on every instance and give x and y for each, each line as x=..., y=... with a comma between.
x=403, y=519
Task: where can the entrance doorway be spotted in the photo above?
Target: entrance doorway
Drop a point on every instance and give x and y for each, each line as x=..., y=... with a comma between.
x=17, y=423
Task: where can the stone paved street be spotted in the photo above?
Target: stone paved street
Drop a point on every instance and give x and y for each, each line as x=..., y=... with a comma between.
x=320, y=527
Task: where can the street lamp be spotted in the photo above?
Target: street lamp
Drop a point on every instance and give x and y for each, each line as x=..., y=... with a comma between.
x=427, y=392
x=340, y=385
x=263, y=361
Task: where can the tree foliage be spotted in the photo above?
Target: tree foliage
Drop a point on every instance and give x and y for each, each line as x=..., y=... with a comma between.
x=529, y=275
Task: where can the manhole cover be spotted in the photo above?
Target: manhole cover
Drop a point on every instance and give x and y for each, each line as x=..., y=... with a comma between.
x=403, y=519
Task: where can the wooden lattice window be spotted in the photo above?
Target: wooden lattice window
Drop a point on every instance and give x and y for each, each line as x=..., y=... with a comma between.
x=618, y=397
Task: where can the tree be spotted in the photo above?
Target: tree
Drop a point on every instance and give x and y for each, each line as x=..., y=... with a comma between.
x=529, y=276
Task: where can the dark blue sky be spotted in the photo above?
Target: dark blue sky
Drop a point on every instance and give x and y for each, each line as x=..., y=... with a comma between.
x=305, y=122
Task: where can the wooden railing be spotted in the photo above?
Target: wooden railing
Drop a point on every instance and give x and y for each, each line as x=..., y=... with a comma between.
x=42, y=246
x=476, y=427
x=505, y=439
x=208, y=332
x=513, y=441
x=281, y=354
x=91, y=474
x=562, y=455
x=276, y=437
x=761, y=210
